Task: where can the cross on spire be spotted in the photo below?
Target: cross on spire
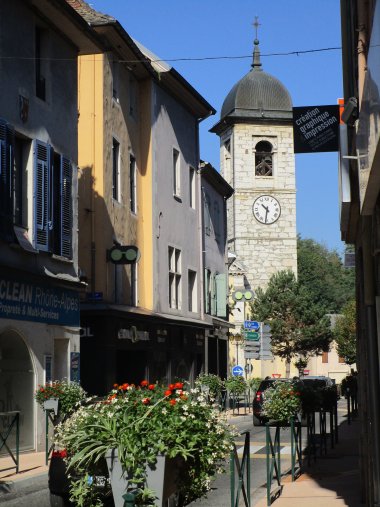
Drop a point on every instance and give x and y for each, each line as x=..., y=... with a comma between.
x=256, y=24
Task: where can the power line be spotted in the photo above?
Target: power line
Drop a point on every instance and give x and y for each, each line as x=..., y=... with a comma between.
x=189, y=59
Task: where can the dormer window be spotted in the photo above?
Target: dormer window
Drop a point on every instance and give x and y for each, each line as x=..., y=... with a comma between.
x=263, y=159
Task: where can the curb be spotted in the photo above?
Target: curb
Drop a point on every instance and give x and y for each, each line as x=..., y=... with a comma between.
x=10, y=489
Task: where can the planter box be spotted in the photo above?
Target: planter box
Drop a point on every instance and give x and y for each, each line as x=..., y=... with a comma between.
x=162, y=477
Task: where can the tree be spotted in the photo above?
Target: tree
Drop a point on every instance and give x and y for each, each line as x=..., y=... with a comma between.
x=329, y=283
x=298, y=325
x=345, y=333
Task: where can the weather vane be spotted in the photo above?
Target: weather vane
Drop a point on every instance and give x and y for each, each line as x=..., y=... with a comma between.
x=256, y=24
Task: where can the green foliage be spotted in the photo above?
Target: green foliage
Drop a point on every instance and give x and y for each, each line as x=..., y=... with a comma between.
x=282, y=401
x=69, y=395
x=298, y=326
x=141, y=423
x=213, y=382
x=236, y=385
x=253, y=383
x=345, y=333
x=322, y=273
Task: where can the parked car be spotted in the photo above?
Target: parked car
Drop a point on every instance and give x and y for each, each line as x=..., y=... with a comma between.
x=258, y=418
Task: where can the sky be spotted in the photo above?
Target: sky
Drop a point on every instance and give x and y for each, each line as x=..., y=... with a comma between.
x=196, y=29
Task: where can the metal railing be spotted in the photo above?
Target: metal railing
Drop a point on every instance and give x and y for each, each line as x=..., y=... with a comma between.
x=296, y=447
x=241, y=470
x=273, y=457
x=14, y=422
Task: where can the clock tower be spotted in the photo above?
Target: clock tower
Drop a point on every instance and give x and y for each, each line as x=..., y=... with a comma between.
x=257, y=160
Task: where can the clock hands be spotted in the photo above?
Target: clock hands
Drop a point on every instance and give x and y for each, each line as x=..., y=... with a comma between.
x=266, y=211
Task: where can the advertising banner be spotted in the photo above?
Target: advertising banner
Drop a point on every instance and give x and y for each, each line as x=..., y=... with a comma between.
x=21, y=299
x=316, y=129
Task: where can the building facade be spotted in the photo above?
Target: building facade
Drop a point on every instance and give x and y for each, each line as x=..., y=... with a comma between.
x=359, y=219
x=39, y=278
x=215, y=193
x=140, y=187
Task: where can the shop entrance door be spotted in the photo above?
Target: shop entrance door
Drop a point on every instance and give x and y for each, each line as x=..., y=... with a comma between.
x=131, y=366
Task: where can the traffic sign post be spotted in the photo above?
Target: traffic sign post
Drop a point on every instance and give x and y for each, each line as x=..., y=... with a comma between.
x=237, y=371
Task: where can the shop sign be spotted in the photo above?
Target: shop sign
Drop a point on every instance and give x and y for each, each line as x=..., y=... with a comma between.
x=24, y=300
x=316, y=129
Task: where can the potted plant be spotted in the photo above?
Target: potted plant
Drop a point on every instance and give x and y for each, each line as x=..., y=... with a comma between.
x=282, y=401
x=61, y=396
x=136, y=426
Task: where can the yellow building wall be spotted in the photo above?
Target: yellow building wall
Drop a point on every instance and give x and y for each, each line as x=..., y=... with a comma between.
x=145, y=197
x=90, y=154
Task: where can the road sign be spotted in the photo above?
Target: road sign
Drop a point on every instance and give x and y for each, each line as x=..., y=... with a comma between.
x=252, y=324
x=237, y=371
x=251, y=355
x=252, y=335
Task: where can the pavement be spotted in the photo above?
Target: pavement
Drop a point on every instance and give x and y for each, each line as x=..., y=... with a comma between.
x=332, y=481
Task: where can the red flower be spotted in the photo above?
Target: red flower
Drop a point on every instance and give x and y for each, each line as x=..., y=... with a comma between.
x=178, y=385
x=168, y=392
x=151, y=387
x=144, y=383
x=124, y=387
x=146, y=401
x=172, y=402
x=116, y=386
x=171, y=387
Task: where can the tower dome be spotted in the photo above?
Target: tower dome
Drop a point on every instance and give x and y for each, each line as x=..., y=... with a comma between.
x=257, y=95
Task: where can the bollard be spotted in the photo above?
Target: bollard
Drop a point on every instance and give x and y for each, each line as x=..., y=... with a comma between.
x=129, y=499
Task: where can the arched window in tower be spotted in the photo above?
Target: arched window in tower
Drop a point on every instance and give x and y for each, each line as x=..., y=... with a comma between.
x=263, y=159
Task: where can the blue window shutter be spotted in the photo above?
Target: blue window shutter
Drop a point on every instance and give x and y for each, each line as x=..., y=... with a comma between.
x=6, y=172
x=66, y=207
x=42, y=208
x=221, y=295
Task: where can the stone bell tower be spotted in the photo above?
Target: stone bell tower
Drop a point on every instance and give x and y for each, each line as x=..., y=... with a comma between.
x=257, y=160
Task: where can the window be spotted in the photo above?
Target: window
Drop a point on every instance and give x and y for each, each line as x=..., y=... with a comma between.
x=263, y=159
x=192, y=187
x=115, y=79
x=53, y=206
x=22, y=148
x=207, y=287
x=40, y=63
x=325, y=357
x=132, y=184
x=227, y=161
x=192, y=289
x=115, y=169
x=133, y=98
x=174, y=278
x=217, y=220
x=176, y=174
x=206, y=213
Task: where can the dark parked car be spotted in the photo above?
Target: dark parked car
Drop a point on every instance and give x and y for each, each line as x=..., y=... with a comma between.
x=258, y=418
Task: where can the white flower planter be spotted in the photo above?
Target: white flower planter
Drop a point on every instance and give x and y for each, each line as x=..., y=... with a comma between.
x=161, y=478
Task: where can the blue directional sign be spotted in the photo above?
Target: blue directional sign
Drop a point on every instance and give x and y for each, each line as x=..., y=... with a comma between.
x=252, y=324
x=237, y=371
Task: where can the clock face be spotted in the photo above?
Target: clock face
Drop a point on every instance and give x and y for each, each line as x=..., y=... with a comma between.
x=266, y=209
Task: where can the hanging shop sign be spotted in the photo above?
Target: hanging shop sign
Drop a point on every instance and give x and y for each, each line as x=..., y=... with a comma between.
x=21, y=299
x=123, y=254
x=316, y=129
